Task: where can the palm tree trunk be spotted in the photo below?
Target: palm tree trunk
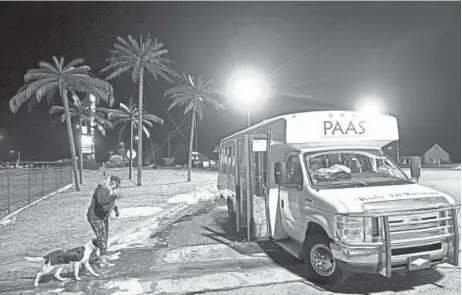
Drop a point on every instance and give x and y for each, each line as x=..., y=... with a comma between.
x=193, y=121
x=131, y=149
x=70, y=135
x=81, y=152
x=140, y=128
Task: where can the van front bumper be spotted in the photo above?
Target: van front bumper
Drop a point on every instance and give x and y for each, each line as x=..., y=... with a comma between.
x=377, y=259
x=370, y=260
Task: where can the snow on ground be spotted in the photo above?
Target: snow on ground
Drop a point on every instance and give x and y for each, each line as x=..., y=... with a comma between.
x=135, y=240
x=115, y=256
x=223, y=208
x=202, y=253
x=137, y=212
x=8, y=220
x=226, y=280
x=199, y=194
x=129, y=287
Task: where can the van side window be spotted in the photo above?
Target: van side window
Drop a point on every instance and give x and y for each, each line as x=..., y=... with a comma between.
x=232, y=160
x=294, y=171
x=222, y=159
x=226, y=168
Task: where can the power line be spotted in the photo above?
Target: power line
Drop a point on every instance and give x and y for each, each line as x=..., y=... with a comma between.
x=207, y=134
x=168, y=114
x=287, y=63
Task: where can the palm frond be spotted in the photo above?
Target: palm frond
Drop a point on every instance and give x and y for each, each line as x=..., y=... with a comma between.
x=103, y=122
x=117, y=115
x=181, y=101
x=189, y=107
x=31, y=77
x=48, y=66
x=57, y=63
x=73, y=63
x=56, y=109
x=153, y=118
x=23, y=96
x=82, y=70
x=146, y=123
x=45, y=89
x=146, y=131
x=102, y=110
x=134, y=43
x=119, y=71
x=125, y=107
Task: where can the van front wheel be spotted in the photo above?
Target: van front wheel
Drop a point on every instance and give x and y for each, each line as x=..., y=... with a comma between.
x=320, y=262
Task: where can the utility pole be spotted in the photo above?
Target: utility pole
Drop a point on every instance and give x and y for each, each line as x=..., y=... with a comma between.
x=169, y=135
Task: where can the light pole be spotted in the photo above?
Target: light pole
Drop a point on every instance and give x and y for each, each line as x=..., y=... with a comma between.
x=1, y=137
x=18, y=159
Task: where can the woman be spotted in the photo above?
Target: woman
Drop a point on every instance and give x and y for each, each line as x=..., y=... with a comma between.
x=103, y=202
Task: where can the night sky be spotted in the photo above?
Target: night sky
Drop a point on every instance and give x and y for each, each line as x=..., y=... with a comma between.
x=406, y=54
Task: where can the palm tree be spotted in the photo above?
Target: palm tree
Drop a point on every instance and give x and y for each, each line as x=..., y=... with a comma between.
x=128, y=116
x=82, y=111
x=52, y=77
x=138, y=58
x=193, y=96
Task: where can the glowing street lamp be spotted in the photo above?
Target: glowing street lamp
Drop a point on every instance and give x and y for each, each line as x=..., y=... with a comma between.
x=370, y=105
x=247, y=89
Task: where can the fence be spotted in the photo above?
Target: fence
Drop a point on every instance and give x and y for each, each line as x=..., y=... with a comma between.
x=20, y=187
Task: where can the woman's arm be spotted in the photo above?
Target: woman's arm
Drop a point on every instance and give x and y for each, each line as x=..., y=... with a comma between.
x=103, y=196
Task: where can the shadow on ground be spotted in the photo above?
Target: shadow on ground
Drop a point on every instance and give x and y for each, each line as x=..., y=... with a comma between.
x=354, y=284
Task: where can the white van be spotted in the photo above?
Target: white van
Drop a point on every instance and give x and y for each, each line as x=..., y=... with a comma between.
x=319, y=185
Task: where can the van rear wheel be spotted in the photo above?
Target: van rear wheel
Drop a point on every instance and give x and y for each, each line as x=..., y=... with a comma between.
x=320, y=262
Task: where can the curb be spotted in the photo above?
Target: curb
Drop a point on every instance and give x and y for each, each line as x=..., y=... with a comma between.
x=64, y=188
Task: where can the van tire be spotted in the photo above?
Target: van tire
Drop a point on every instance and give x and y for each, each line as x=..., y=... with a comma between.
x=318, y=247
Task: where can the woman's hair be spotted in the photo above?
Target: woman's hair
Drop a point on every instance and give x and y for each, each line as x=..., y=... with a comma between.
x=116, y=180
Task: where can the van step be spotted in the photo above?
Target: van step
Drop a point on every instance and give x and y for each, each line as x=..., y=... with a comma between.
x=291, y=246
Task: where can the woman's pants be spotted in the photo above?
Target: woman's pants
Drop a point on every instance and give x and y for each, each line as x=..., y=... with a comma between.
x=101, y=229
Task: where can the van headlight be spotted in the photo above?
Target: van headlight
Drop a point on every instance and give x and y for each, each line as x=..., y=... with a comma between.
x=355, y=229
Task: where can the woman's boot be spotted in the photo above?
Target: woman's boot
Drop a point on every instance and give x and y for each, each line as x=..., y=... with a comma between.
x=103, y=262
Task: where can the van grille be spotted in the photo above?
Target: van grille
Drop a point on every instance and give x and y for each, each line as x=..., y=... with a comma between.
x=419, y=225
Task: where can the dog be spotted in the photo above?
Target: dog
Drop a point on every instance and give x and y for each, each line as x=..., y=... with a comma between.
x=60, y=258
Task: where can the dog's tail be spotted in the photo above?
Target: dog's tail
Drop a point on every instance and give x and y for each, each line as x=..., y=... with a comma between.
x=35, y=259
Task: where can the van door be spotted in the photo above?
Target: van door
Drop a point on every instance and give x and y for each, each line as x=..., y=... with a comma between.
x=290, y=194
x=259, y=177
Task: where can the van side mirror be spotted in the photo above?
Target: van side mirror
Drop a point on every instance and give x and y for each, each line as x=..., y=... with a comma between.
x=416, y=167
x=280, y=173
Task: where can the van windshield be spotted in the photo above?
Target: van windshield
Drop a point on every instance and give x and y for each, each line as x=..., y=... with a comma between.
x=353, y=168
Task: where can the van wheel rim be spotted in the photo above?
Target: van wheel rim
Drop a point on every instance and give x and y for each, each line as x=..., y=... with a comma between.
x=322, y=260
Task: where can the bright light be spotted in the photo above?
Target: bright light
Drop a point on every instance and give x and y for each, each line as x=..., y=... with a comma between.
x=77, y=126
x=370, y=106
x=246, y=87
x=136, y=137
x=247, y=90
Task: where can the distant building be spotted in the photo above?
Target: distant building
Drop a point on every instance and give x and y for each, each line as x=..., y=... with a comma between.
x=433, y=155
x=436, y=155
